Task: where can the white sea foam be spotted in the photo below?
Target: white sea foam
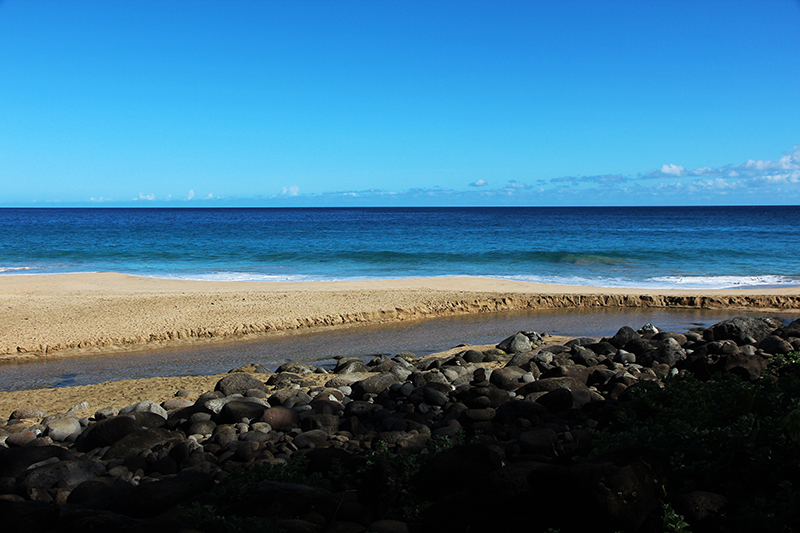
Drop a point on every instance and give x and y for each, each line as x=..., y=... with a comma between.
x=726, y=282
x=247, y=276
x=579, y=281
x=12, y=270
x=668, y=282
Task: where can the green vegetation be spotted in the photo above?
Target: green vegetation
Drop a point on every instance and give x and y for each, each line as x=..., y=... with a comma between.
x=199, y=514
x=724, y=435
x=401, y=502
x=782, y=362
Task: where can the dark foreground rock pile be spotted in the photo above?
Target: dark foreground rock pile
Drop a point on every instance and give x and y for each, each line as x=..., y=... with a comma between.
x=498, y=440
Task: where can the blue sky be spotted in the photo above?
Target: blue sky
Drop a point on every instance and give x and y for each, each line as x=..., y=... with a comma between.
x=382, y=103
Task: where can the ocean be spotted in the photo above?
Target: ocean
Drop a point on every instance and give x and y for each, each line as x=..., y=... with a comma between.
x=646, y=247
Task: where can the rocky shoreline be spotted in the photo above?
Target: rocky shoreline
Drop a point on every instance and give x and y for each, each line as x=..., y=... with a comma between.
x=496, y=439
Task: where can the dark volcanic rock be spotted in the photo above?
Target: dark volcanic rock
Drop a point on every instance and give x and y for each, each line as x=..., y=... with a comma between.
x=147, y=419
x=239, y=383
x=15, y=461
x=87, y=489
x=557, y=400
x=518, y=343
x=603, y=348
x=455, y=470
x=67, y=474
x=511, y=412
x=615, y=494
x=373, y=384
x=473, y=356
x=539, y=441
x=295, y=367
x=623, y=336
x=106, y=432
x=546, y=385
x=747, y=366
x=743, y=329
x=281, y=418
x=637, y=346
x=21, y=414
x=529, y=425
x=670, y=352
x=138, y=441
x=775, y=345
x=151, y=499
x=350, y=366
x=235, y=411
x=679, y=337
x=790, y=330
x=507, y=378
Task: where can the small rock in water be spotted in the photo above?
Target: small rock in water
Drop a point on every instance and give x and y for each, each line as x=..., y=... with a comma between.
x=648, y=329
x=518, y=343
x=295, y=367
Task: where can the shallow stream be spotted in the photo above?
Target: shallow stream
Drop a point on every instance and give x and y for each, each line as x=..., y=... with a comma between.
x=321, y=346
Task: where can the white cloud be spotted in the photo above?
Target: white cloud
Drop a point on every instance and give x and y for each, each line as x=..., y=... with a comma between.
x=671, y=183
x=101, y=199
x=704, y=171
x=666, y=171
x=716, y=184
x=789, y=161
x=606, y=179
x=786, y=178
x=673, y=170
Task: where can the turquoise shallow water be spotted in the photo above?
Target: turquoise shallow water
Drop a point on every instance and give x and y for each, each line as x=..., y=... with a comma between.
x=652, y=247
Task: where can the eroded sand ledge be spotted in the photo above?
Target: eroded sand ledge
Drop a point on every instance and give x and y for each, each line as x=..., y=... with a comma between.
x=83, y=313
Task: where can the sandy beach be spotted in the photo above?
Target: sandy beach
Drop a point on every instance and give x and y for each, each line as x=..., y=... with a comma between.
x=108, y=312
x=96, y=313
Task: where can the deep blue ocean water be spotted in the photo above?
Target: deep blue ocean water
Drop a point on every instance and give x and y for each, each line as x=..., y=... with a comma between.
x=650, y=247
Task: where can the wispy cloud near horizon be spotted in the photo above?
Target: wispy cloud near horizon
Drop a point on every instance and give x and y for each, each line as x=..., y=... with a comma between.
x=775, y=182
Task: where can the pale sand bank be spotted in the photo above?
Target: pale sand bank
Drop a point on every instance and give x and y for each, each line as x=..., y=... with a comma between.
x=102, y=312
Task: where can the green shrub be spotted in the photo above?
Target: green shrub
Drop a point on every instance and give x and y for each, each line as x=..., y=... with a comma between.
x=724, y=435
x=402, y=504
